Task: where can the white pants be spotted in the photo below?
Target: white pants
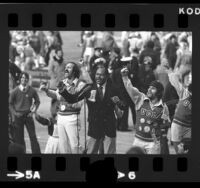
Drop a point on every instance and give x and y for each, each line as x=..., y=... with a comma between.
x=149, y=147
x=68, y=131
x=52, y=145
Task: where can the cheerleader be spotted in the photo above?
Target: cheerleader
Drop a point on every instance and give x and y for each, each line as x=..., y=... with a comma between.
x=52, y=146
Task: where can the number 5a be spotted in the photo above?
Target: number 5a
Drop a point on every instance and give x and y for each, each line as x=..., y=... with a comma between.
x=131, y=175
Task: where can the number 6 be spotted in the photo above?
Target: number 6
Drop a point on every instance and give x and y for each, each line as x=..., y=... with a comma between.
x=131, y=175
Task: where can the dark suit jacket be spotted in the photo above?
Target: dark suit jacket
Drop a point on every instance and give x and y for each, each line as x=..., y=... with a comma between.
x=101, y=116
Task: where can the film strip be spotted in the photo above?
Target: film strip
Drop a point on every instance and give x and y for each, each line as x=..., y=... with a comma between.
x=99, y=17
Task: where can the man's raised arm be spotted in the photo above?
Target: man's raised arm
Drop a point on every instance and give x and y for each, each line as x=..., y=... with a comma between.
x=133, y=92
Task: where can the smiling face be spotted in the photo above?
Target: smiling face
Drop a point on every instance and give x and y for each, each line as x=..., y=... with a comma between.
x=151, y=93
x=101, y=76
x=24, y=80
x=69, y=73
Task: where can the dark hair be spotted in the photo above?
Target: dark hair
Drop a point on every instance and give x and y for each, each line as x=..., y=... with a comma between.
x=150, y=44
x=58, y=49
x=76, y=69
x=153, y=33
x=136, y=150
x=103, y=67
x=160, y=89
x=25, y=74
x=136, y=50
x=187, y=72
x=172, y=36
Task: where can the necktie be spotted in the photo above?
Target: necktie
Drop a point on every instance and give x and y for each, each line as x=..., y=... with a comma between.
x=100, y=89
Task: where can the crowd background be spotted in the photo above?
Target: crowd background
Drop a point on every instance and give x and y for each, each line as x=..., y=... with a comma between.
x=149, y=55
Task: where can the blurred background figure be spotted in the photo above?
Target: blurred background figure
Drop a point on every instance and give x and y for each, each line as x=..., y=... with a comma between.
x=145, y=74
x=125, y=44
x=122, y=123
x=149, y=51
x=170, y=51
x=89, y=40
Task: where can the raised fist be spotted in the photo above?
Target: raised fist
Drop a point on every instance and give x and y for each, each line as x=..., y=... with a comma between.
x=115, y=99
x=124, y=71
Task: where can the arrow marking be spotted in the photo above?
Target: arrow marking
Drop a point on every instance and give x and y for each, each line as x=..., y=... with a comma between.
x=120, y=175
x=17, y=175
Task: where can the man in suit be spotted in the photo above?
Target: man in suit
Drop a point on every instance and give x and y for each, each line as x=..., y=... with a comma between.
x=103, y=103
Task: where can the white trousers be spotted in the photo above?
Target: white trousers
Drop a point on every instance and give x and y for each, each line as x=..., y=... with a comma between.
x=52, y=145
x=68, y=131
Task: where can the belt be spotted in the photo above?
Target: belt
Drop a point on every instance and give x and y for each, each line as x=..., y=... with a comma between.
x=67, y=113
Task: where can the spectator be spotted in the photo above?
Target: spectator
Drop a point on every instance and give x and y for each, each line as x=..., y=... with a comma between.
x=149, y=51
x=29, y=57
x=57, y=43
x=125, y=44
x=182, y=122
x=98, y=51
x=108, y=41
x=23, y=103
x=161, y=72
x=88, y=47
x=184, y=56
x=170, y=51
x=56, y=68
x=136, y=42
x=157, y=46
x=132, y=65
x=14, y=73
x=115, y=62
x=145, y=74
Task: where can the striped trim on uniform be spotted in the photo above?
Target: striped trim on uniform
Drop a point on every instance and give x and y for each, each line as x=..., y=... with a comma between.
x=184, y=124
x=146, y=139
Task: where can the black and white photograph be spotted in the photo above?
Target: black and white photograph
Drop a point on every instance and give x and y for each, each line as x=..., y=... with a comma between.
x=100, y=92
